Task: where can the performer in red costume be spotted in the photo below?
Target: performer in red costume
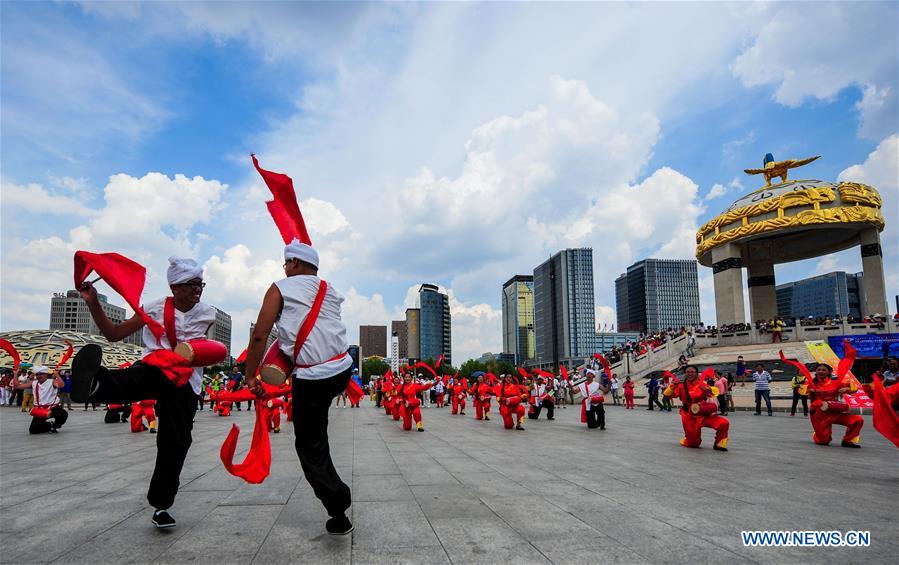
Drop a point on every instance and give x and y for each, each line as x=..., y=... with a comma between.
x=698, y=409
x=485, y=390
x=542, y=396
x=141, y=410
x=408, y=391
x=288, y=406
x=628, y=393
x=161, y=375
x=440, y=389
x=273, y=416
x=826, y=409
x=399, y=405
x=460, y=389
x=510, y=397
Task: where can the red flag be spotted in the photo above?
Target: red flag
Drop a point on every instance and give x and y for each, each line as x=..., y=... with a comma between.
x=354, y=391
x=258, y=462
x=125, y=276
x=523, y=373
x=439, y=361
x=242, y=357
x=68, y=354
x=284, y=208
x=542, y=373
x=9, y=348
x=564, y=372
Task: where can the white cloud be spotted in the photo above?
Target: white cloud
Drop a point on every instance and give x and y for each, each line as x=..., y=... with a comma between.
x=716, y=191
x=36, y=199
x=881, y=170
x=817, y=53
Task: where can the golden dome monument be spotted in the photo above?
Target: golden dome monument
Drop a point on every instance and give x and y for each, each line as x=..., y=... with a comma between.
x=784, y=222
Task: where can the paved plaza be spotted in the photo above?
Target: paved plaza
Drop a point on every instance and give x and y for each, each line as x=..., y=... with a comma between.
x=463, y=492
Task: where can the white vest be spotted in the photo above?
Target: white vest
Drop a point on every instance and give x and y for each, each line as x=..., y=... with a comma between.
x=193, y=324
x=44, y=394
x=328, y=336
x=589, y=390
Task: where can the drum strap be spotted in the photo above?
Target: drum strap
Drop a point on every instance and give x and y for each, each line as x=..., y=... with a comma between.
x=311, y=318
x=168, y=320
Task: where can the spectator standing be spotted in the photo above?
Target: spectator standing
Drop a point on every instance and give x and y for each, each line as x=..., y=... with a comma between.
x=722, y=385
x=741, y=370
x=730, y=392
x=691, y=344
x=27, y=396
x=236, y=377
x=614, y=387
x=653, y=387
x=762, y=380
x=891, y=372
x=777, y=328
x=64, y=398
x=800, y=392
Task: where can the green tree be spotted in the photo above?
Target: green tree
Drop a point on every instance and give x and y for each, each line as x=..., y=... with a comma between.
x=373, y=366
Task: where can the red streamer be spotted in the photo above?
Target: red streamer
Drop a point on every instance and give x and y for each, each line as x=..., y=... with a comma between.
x=66, y=356
x=10, y=348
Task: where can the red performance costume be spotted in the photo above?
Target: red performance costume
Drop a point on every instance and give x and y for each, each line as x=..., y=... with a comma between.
x=411, y=405
x=825, y=408
x=460, y=390
x=510, y=396
x=141, y=410
x=697, y=408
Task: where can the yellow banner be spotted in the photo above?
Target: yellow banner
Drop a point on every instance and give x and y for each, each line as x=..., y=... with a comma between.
x=822, y=353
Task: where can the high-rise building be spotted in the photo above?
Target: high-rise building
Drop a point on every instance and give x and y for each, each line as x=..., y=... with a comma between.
x=564, y=311
x=221, y=328
x=68, y=311
x=832, y=294
x=398, y=328
x=413, y=339
x=605, y=341
x=373, y=340
x=657, y=294
x=518, y=318
x=435, y=324
x=272, y=335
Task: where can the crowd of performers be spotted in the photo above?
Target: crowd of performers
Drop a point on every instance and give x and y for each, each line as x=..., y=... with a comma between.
x=308, y=367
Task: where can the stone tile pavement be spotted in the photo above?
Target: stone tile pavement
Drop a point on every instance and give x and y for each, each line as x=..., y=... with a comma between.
x=463, y=492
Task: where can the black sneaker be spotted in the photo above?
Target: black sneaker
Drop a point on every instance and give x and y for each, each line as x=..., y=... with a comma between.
x=53, y=429
x=162, y=519
x=850, y=444
x=339, y=526
x=85, y=366
x=717, y=448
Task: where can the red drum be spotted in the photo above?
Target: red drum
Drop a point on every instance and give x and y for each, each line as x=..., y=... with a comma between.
x=704, y=408
x=833, y=406
x=115, y=406
x=40, y=412
x=276, y=366
x=202, y=352
x=597, y=399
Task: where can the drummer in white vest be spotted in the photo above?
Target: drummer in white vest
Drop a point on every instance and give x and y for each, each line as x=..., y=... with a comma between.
x=47, y=414
x=322, y=370
x=176, y=404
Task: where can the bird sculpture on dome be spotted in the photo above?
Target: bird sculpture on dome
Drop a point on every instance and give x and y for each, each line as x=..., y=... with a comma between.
x=780, y=169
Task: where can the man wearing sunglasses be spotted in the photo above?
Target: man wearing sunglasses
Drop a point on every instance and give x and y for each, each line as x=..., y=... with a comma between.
x=175, y=405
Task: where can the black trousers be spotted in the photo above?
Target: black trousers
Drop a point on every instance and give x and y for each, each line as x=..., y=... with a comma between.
x=796, y=398
x=550, y=409
x=175, y=410
x=43, y=425
x=654, y=399
x=378, y=398
x=117, y=416
x=312, y=399
x=759, y=395
x=596, y=416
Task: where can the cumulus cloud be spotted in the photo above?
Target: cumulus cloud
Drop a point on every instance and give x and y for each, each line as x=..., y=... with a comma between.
x=881, y=170
x=818, y=53
x=36, y=199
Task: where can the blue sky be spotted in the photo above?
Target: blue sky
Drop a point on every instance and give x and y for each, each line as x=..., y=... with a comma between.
x=450, y=143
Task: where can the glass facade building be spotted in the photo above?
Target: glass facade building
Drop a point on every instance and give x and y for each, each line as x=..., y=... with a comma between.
x=832, y=294
x=518, y=318
x=68, y=311
x=564, y=309
x=657, y=294
x=435, y=324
